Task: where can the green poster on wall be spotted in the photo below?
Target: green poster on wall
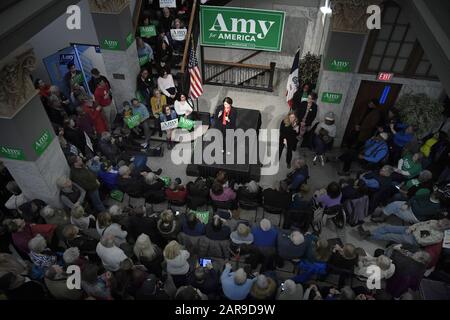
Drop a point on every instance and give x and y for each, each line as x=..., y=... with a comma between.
x=241, y=28
x=110, y=44
x=41, y=144
x=130, y=39
x=331, y=97
x=148, y=31
x=12, y=153
x=339, y=65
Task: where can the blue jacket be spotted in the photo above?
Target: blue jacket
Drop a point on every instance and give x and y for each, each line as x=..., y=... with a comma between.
x=109, y=179
x=375, y=150
x=199, y=229
x=287, y=250
x=142, y=110
x=233, y=291
x=299, y=177
x=264, y=238
x=401, y=138
x=163, y=117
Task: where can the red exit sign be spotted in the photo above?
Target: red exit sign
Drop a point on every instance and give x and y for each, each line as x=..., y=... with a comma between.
x=385, y=76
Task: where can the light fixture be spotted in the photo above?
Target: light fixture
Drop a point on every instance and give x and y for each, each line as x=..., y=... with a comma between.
x=326, y=9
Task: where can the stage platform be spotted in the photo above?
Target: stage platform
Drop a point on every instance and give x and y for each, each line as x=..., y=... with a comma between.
x=242, y=172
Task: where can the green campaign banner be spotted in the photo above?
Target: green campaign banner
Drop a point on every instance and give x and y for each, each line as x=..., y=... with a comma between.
x=41, y=144
x=241, y=28
x=339, y=65
x=12, y=153
x=130, y=39
x=133, y=121
x=143, y=60
x=331, y=97
x=110, y=44
x=203, y=216
x=166, y=180
x=148, y=31
x=184, y=123
x=117, y=195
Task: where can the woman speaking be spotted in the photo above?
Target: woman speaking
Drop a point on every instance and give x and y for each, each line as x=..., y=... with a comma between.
x=225, y=118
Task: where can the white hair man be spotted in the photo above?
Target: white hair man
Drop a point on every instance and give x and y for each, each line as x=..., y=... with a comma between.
x=235, y=285
x=289, y=290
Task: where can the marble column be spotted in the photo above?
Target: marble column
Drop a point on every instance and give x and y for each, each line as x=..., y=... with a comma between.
x=28, y=145
x=113, y=24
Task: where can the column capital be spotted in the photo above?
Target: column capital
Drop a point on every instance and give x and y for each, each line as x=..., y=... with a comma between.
x=108, y=6
x=16, y=87
x=351, y=15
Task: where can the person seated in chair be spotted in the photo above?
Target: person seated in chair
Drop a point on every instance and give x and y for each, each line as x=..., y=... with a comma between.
x=168, y=225
x=192, y=226
x=217, y=230
x=176, y=192
x=298, y=176
x=219, y=193
x=198, y=193
x=293, y=245
x=130, y=183
x=375, y=150
x=251, y=192
x=323, y=137
x=108, y=147
x=418, y=208
x=154, y=188
x=277, y=197
x=331, y=197
x=265, y=237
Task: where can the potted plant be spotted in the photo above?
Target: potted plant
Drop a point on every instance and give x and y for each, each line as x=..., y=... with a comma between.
x=420, y=111
x=308, y=70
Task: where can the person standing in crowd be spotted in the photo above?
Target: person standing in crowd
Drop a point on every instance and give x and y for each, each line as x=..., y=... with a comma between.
x=95, y=79
x=306, y=112
x=103, y=97
x=139, y=108
x=145, y=53
x=366, y=124
x=324, y=137
x=167, y=115
x=289, y=130
x=73, y=76
x=144, y=86
x=87, y=180
x=225, y=118
x=94, y=111
x=166, y=85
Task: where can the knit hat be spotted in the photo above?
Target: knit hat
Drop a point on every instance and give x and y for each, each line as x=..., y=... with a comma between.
x=265, y=225
x=297, y=238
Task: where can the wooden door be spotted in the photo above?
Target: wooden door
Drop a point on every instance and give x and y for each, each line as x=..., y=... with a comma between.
x=385, y=92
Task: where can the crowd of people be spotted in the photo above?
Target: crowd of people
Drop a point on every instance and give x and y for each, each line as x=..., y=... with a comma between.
x=136, y=232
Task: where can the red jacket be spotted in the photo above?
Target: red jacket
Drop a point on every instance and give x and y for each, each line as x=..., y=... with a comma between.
x=99, y=95
x=97, y=117
x=179, y=195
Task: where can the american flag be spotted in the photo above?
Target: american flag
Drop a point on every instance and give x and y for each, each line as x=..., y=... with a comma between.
x=196, y=89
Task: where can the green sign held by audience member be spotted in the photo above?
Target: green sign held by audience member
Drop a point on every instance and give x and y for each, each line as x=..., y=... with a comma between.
x=133, y=121
x=184, y=123
x=166, y=180
x=117, y=195
x=143, y=60
x=203, y=216
x=148, y=31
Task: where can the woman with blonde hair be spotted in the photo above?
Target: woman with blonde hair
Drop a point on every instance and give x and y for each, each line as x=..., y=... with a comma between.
x=168, y=225
x=289, y=131
x=149, y=254
x=176, y=258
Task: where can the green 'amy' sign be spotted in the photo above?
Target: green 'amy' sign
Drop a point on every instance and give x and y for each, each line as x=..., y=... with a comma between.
x=41, y=144
x=330, y=97
x=110, y=44
x=12, y=153
x=130, y=39
x=241, y=28
x=339, y=65
x=148, y=31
